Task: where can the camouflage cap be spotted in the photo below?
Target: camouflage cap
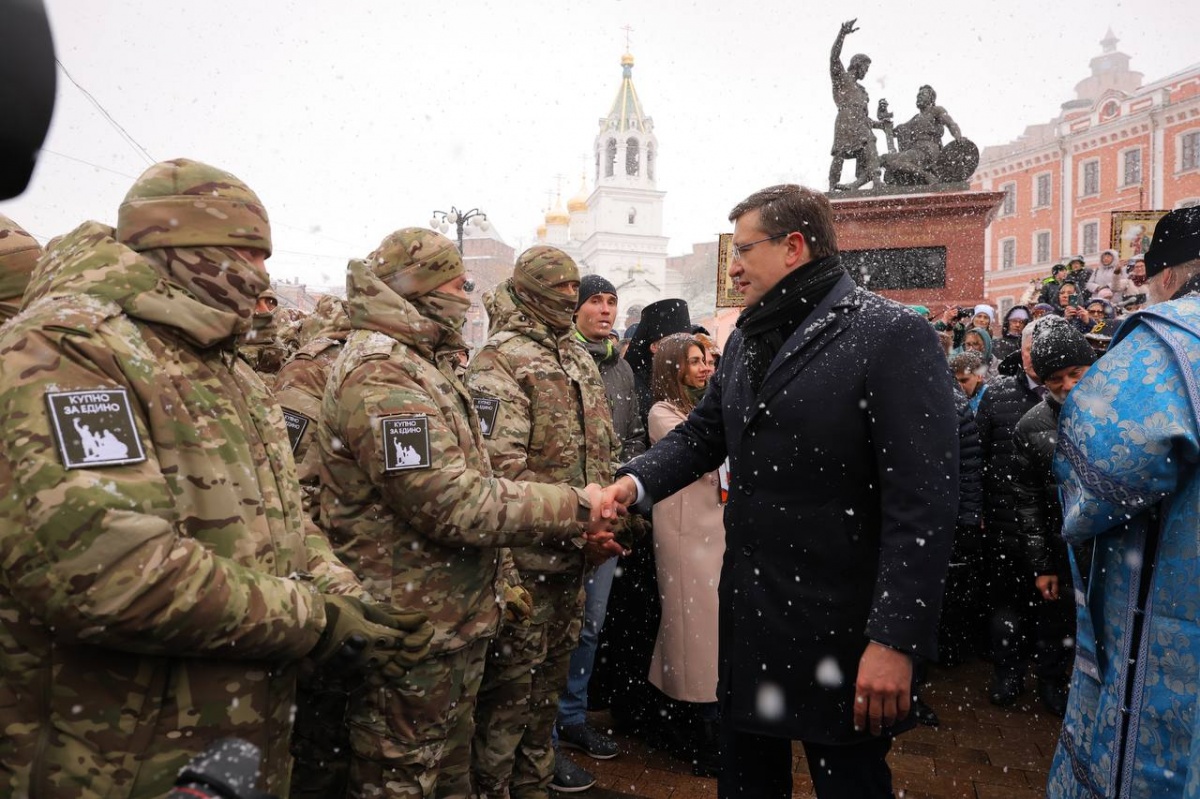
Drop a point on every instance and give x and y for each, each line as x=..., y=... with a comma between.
x=184, y=203
x=546, y=265
x=414, y=261
x=19, y=253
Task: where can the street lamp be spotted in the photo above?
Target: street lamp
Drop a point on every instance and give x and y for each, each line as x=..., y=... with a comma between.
x=442, y=220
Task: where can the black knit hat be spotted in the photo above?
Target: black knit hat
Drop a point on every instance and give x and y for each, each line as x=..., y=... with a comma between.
x=1057, y=345
x=1176, y=240
x=593, y=284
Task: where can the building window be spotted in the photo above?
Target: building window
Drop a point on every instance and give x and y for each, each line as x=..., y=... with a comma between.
x=1008, y=206
x=650, y=156
x=1006, y=304
x=1091, y=238
x=611, y=152
x=1041, y=247
x=1041, y=190
x=631, y=156
x=1131, y=161
x=1089, y=178
x=1189, y=150
x=1008, y=253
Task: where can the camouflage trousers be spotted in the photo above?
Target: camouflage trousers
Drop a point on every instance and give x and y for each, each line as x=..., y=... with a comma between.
x=413, y=738
x=526, y=671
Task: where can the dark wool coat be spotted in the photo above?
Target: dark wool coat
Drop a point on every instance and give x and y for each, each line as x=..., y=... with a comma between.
x=841, y=511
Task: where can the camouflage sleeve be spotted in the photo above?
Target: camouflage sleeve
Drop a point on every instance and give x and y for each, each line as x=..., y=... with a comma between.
x=491, y=375
x=329, y=574
x=508, y=568
x=101, y=554
x=450, y=501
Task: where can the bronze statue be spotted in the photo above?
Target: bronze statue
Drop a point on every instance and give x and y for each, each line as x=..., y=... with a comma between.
x=918, y=157
x=852, y=131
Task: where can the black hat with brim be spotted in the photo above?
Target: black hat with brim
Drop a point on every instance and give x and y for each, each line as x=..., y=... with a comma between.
x=659, y=319
x=1176, y=240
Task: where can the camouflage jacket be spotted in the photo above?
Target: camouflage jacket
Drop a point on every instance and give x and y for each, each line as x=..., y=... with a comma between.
x=149, y=522
x=299, y=388
x=545, y=414
x=407, y=494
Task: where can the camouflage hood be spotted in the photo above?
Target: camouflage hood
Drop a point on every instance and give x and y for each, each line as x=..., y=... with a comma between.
x=506, y=312
x=90, y=261
x=328, y=320
x=372, y=305
x=19, y=252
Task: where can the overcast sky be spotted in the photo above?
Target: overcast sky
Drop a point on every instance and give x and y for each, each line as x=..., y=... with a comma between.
x=351, y=119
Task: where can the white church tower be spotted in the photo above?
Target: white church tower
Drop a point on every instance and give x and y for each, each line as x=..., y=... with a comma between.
x=624, y=222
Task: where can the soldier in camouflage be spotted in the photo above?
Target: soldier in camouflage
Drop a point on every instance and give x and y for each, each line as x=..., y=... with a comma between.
x=18, y=253
x=410, y=503
x=546, y=418
x=320, y=740
x=300, y=387
x=260, y=346
x=160, y=582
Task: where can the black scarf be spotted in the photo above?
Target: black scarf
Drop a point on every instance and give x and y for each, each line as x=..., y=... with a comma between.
x=768, y=324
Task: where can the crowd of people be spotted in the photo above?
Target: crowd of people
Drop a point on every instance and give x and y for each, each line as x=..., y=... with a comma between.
x=400, y=568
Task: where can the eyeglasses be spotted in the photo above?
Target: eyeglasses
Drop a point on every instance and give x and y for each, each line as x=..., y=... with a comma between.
x=739, y=250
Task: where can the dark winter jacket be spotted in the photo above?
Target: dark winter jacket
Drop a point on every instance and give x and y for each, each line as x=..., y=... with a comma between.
x=622, y=399
x=1006, y=401
x=970, y=465
x=1036, y=492
x=841, y=514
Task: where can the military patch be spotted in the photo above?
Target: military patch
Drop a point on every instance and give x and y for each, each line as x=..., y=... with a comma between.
x=487, y=408
x=95, y=427
x=296, y=423
x=405, y=442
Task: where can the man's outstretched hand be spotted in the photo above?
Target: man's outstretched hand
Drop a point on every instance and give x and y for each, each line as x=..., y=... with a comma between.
x=618, y=497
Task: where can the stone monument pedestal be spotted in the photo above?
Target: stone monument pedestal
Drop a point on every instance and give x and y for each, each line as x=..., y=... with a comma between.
x=917, y=247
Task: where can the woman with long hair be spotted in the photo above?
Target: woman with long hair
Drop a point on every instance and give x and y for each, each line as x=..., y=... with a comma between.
x=689, y=544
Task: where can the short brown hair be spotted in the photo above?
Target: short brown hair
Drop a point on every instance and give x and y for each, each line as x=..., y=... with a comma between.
x=791, y=208
x=670, y=359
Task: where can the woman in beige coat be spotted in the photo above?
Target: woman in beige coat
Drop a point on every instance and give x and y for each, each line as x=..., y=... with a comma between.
x=689, y=543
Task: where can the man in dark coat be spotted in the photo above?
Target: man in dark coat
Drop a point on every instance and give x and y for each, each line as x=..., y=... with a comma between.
x=1002, y=567
x=836, y=410
x=1061, y=357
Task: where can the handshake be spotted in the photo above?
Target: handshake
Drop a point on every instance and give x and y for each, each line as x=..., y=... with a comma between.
x=377, y=640
x=608, y=509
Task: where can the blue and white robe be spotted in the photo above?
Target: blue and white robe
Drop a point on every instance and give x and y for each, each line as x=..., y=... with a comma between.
x=1127, y=463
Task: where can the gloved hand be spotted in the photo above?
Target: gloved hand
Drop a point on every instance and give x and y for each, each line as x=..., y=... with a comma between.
x=414, y=646
x=518, y=604
x=364, y=636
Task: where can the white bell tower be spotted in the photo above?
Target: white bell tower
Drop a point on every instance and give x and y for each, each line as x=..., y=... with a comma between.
x=624, y=238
